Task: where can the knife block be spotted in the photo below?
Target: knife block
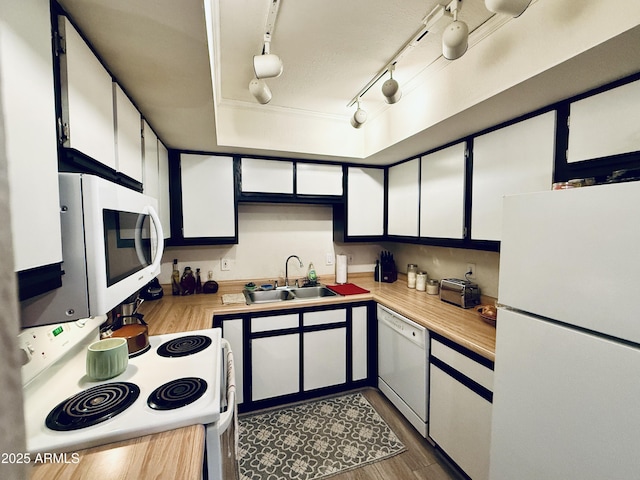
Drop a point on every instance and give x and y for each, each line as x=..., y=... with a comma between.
x=389, y=272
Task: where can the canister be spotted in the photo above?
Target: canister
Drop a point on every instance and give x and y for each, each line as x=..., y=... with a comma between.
x=433, y=286
x=421, y=281
x=412, y=270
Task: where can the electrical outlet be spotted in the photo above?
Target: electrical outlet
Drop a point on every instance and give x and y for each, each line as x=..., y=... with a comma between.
x=471, y=270
x=225, y=264
x=329, y=259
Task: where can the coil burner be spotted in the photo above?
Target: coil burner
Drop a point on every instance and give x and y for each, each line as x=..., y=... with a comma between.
x=92, y=406
x=177, y=393
x=183, y=346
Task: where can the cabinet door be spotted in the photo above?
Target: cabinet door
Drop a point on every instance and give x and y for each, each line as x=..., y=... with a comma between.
x=515, y=159
x=460, y=423
x=275, y=366
x=325, y=351
x=359, y=370
x=163, y=189
x=208, y=202
x=87, y=99
x=365, y=201
x=442, y=193
x=404, y=191
x=318, y=179
x=325, y=358
x=266, y=176
x=151, y=170
x=128, y=135
x=26, y=87
x=605, y=124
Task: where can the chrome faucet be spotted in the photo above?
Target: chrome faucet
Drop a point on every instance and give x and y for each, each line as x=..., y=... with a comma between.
x=286, y=268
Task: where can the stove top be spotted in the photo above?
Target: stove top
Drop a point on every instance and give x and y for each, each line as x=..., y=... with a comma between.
x=162, y=393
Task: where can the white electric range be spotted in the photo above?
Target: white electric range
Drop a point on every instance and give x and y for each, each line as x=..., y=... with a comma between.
x=183, y=379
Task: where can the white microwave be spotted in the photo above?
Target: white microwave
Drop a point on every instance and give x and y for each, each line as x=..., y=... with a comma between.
x=112, y=245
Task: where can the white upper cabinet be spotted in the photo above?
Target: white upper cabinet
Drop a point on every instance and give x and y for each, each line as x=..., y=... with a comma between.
x=208, y=201
x=87, y=99
x=442, y=193
x=318, y=179
x=515, y=159
x=266, y=176
x=605, y=124
x=164, y=207
x=28, y=104
x=403, y=200
x=128, y=135
x=151, y=171
x=365, y=202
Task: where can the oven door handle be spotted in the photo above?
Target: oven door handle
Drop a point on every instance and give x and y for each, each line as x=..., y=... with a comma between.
x=227, y=416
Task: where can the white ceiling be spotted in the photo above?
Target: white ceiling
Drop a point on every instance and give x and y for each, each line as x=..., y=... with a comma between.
x=157, y=50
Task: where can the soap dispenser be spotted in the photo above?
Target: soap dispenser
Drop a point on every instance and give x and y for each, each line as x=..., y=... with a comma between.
x=312, y=277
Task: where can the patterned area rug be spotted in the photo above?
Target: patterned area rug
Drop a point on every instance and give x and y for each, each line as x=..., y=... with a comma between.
x=314, y=440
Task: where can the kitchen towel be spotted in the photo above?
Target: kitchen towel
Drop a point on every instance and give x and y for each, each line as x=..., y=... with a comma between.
x=347, y=289
x=232, y=298
x=341, y=269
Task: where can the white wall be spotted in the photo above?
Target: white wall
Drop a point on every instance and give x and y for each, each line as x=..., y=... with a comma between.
x=444, y=262
x=268, y=234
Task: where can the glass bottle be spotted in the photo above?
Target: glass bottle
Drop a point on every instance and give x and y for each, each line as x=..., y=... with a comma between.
x=188, y=282
x=175, y=279
x=198, y=281
x=412, y=270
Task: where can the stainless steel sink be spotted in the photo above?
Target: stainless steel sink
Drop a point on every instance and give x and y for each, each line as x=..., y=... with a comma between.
x=313, y=292
x=267, y=296
x=286, y=294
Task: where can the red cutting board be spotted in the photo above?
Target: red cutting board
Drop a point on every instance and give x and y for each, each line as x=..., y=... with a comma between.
x=347, y=289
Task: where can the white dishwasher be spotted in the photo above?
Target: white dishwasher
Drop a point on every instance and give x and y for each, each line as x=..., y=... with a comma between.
x=403, y=361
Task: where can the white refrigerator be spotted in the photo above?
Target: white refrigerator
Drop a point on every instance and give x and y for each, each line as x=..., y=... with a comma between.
x=566, y=401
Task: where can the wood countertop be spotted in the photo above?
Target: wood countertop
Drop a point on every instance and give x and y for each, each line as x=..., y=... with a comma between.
x=179, y=453
x=173, y=314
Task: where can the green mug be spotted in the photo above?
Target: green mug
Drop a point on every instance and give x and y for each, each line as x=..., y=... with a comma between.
x=107, y=358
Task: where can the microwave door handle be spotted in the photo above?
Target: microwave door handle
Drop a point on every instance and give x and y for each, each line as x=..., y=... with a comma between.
x=159, y=236
x=155, y=263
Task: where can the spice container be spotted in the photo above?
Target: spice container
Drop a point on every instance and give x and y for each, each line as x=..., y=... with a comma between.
x=421, y=281
x=433, y=287
x=412, y=270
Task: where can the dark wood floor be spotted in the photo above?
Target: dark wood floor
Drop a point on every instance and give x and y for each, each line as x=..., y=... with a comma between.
x=419, y=462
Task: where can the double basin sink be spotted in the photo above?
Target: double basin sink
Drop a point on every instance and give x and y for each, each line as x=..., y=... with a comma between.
x=287, y=294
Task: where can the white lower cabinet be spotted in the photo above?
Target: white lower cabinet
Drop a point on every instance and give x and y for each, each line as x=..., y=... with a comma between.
x=460, y=408
x=297, y=354
x=325, y=351
x=275, y=365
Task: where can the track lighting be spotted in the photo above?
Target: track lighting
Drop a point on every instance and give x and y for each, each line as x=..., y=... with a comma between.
x=359, y=117
x=267, y=65
x=515, y=8
x=260, y=90
x=391, y=88
x=455, y=39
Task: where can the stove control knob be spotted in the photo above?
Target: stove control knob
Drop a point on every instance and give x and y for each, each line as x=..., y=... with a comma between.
x=26, y=353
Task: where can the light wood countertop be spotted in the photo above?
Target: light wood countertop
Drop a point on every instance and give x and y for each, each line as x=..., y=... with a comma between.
x=464, y=326
x=179, y=453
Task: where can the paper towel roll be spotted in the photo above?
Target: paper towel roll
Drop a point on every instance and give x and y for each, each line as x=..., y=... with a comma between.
x=341, y=269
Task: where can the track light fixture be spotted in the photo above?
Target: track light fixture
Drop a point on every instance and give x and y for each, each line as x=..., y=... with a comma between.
x=266, y=65
x=260, y=90
x=359, y=117
x=515, y=8
x=391, y=88
x=455, y=39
